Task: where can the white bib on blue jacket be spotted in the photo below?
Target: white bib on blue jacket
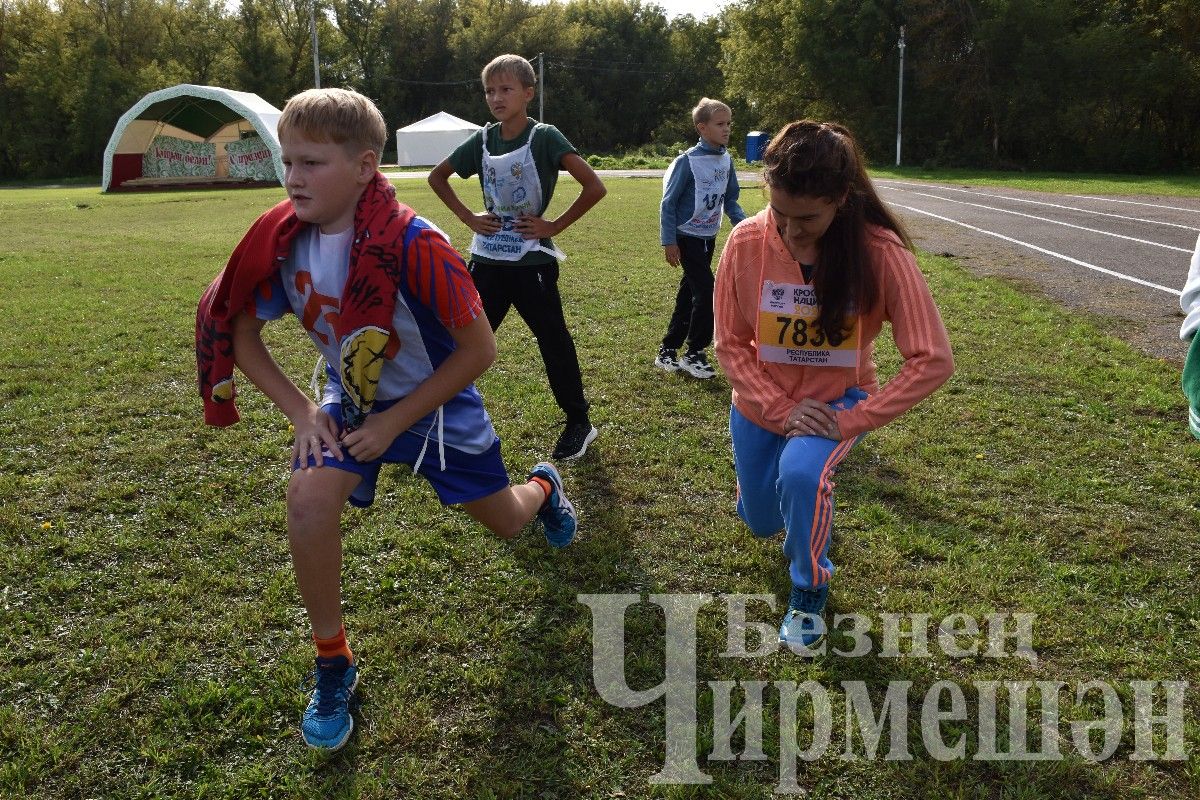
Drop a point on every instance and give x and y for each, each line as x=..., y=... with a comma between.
x=710, y=172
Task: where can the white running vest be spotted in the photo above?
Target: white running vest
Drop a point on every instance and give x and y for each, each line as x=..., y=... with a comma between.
x=511, y=187
x=711, y=174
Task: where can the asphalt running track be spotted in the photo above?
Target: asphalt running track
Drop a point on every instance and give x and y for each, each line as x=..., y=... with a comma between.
x=1079, y=229
x=1122, y=259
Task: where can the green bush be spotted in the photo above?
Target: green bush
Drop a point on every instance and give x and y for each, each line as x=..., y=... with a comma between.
x=656, y=155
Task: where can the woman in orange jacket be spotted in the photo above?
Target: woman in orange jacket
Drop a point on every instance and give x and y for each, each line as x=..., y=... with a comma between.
x=803, y=288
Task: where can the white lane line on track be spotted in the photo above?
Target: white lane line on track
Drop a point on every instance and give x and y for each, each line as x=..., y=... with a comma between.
x=1135, y=203
x=1051, y=253
x=1045, y=219
x=1051, y=205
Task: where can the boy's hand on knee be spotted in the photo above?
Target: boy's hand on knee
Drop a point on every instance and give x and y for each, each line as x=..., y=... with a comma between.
x=314, y=431
x=373, y=438
x=671, y=252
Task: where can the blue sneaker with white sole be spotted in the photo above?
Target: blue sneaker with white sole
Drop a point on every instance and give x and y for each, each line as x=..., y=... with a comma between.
x=327, y=722
x=803, y=626
x=557, y=515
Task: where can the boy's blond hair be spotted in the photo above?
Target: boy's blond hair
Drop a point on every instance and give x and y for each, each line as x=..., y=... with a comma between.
x=342, y=116
x=509, y=64
x=706, y=108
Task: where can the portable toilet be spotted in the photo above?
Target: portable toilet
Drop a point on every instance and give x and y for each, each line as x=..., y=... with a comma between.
x=756, y=145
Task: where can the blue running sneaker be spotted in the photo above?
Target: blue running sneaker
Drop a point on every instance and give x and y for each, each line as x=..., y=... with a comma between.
x=558, y=517
x=327, y=721
x=803, y=626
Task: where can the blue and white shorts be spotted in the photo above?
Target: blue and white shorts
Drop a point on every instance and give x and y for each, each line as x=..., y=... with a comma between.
x=467, y=476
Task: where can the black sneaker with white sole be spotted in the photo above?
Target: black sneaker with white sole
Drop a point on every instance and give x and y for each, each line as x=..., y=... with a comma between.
x=696, y=364
x=667, y=359
x=573, y=443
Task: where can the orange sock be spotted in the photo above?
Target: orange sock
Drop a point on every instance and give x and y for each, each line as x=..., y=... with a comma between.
x=545, y=484
x=334, y=646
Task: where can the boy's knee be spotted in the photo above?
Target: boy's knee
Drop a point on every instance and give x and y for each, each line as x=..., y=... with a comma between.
x=501, y=513
x=506, y=530
x=307, y=503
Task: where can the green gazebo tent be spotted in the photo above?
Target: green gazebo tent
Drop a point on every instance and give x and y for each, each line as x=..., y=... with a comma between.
x=191, y=133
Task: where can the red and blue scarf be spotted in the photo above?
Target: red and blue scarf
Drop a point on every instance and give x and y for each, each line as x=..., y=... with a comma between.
x=368, y=301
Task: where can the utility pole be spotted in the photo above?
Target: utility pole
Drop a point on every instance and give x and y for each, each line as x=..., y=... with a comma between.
x=900, y=97
x=312, y=25
x=541, y=87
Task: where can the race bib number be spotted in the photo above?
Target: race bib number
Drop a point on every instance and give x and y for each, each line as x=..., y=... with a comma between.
x=788, y=332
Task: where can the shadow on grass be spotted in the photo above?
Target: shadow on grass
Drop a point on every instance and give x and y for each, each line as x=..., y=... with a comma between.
x=335, y=774
x=872, y=478
x=848, y=768
x=527, y=750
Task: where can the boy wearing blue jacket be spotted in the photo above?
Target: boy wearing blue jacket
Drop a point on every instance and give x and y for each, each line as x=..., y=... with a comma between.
x=700, y=184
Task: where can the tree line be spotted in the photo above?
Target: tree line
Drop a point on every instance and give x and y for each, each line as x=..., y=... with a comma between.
x=1109, y=85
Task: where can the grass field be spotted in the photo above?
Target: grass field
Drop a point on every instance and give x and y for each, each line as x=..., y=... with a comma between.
x=153, y=640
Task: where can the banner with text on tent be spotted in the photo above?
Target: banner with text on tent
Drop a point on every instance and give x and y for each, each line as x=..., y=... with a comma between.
x=169, y=156
x=250, y=158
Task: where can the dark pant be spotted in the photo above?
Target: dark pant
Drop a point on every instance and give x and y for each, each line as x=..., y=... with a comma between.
x=693, y=317
x=534, y=291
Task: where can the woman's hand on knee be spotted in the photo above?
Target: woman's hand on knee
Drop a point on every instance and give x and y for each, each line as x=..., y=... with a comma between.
x=812, y=418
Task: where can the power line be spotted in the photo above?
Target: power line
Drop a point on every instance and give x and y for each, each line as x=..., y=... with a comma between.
x=609, y=70
x=431, y=83
x=602, y=62
x=576, y=64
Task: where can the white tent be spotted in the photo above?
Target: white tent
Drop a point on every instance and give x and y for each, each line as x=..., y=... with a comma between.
x=211, y=132
x=427, y=142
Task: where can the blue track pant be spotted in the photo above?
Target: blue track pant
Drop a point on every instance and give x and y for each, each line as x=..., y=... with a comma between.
x=788, y=483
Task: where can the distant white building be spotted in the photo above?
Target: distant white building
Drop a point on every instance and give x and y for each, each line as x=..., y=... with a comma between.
x=427, y=142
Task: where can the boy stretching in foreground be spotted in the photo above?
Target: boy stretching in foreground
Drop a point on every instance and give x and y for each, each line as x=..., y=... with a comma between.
x=389, y=304
x=513, y=261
